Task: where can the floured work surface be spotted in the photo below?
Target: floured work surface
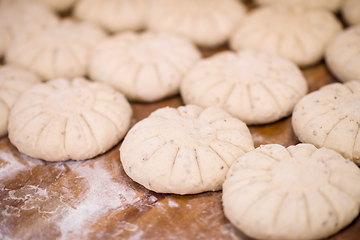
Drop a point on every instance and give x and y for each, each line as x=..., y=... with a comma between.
x=95, y=199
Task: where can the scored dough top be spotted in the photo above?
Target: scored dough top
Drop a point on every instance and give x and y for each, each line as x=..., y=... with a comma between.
x=146, y=67
x=186, y=150
x=13, y=81
x=65, y=119
x=295, y=33
x=253, y=86
x=330, y=117
x=59, y=51
x=299, y=192
x=207, y=23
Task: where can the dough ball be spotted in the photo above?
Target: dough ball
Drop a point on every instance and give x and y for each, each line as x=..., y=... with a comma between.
x=68, y=119
x=343, y=55
x=208, y=23
x=299, y=192
x=255, y=87
x=113, y=15
x=61, y=51
x=13, y=81
x=351, y=11
x=331, y=5
x=22, y=18
x=186, y=150
x=295, y=33
x=58, y=5
x=146, y=67
x=330, y=117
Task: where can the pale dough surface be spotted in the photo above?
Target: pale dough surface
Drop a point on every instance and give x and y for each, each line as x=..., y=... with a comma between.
x=22, y=18
x=299, y=192
x=295, y=33
x=13, y=81
x=186, y=150
x=145, y=66
x=58, y=5
x=113, y=15
x=208, y=23
x=60, y=51
x=343, y=54
x=330, y=117
x=68, y=119
x=332, y=5
x=253, y=86
x=351, y=11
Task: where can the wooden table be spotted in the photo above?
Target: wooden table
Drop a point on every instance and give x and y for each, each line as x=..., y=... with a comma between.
x=95, y=199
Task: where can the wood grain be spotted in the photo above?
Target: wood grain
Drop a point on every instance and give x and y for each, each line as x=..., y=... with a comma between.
x=94, y=199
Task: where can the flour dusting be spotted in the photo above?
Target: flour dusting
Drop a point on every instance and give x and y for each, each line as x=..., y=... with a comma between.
x=172, y=203
x=103, y=195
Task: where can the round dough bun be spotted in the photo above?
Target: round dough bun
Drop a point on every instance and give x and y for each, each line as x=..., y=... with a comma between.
x=331, y=5
x=299, y=192
x=351, y=11
x=60, y=51
x=330, y=117
x=22, y=18
x=255, y=87
x=68, y=119
x=13, y=81
x=343, y=55
x=145, y=67
x=186, y=150
x=113, y=15
x=208, y=23
x=298, y=34
x=58, y=5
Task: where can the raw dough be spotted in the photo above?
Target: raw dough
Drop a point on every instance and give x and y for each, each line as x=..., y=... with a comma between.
x=146, y=67
x=22, y=18
x=68, y=119
x=343, y=54
x=298, y=34
x=60, y=51
x=113, y=15
x=351, y=11
x=332, y=5
x=255, y=87
x=13, y=81
x=330, y=117
x=299, y=192
x=185, y=150
x=58, y=5
x=208, y=23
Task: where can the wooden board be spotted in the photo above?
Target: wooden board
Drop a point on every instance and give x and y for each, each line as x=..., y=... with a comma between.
x=94, y=199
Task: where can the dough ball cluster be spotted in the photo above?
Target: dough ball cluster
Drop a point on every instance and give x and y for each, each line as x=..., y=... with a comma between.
x=299, y=192
x=113, y=15
x=343, y=55
x=330, y=117
x=255, y=87
x=22, y=18
x=293, y=32
x=13, y=81
x=60, y=51
x=208, y=23
x=145, y=67
x=185, y=150
x=68, y=119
